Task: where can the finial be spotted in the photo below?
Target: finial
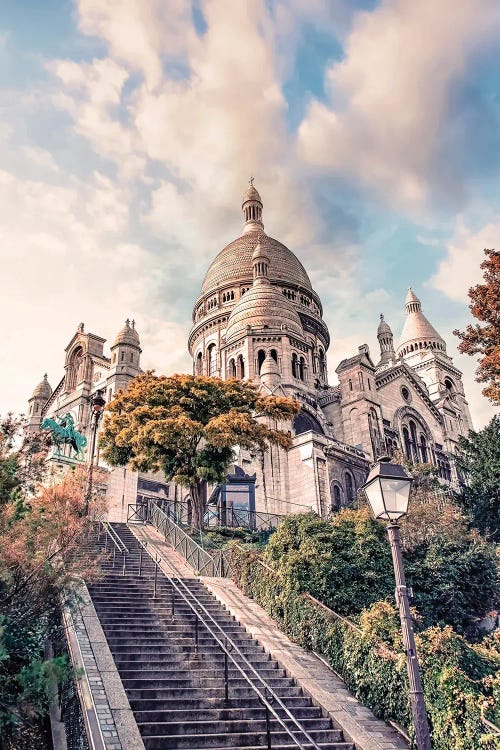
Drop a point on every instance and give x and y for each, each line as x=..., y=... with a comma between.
x=45, y=376
x=80, y=327
x=381, y=316
x=250, y=181
x=127, y=322
x=133, y=323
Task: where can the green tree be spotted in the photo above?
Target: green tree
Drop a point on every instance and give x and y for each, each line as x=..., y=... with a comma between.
x=485, y=339
x=187, y=426
x=478, y=460
x=345, y=562
x=454, y=582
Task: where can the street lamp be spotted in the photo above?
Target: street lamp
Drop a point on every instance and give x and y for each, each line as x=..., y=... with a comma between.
x=97, y=404
x=388, y=491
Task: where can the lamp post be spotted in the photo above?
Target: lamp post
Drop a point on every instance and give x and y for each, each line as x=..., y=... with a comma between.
x=97, y=403
x=388, y=491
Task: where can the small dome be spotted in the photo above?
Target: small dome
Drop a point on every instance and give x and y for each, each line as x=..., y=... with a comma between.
x=251, y=194
x=259, y=252
x=128, y=335
x=263, y=305
x=383, y=327
x=418, y=333
x=43, y=389
x=269, y=367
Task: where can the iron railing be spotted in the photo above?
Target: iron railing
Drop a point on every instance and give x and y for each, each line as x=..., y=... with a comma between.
x=112, y=542
x=215, y=564
x=265, y=694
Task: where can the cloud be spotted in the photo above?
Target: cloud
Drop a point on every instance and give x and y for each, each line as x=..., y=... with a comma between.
x=460, y=269
x=390, y=98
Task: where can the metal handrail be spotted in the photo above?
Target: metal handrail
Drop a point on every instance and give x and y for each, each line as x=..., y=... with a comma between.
x=109, y=530
x=267, y=690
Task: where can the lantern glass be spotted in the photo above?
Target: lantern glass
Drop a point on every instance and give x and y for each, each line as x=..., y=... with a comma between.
x=388, y=491
x=98, y=402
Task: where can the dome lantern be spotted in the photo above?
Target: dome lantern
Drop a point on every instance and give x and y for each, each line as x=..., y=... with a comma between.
x=128, y=335
x=252, y=209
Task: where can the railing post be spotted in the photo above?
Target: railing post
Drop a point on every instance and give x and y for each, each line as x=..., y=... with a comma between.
x=226, y=677
x=124, y=561
x=196, y=636
x=268, y=728
x=155, y=579
x=140, y=562
x=114, y=555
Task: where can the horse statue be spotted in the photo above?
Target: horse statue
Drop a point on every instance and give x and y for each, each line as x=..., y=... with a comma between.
x=64, y=433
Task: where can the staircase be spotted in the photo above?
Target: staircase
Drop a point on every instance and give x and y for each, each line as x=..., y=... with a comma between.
x=176, y=689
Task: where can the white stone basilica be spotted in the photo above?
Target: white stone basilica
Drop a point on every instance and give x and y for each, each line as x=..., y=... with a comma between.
x=258, y=318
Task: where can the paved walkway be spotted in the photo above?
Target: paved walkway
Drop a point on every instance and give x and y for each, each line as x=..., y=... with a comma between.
x=310, y=672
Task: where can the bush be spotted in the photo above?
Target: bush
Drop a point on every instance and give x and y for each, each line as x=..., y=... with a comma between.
x=459, y=680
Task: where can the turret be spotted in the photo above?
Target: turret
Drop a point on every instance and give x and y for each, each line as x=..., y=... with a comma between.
x=40, y=396
x=252, y=210
x=418, y=336
x=386, y=343
x=126, y=351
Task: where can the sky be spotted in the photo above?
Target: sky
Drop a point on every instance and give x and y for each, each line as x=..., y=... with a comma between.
x=129, y=130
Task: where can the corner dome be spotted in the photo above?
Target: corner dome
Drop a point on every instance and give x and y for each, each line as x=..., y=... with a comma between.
x=383, y=327
x=43, y=389
x=127, y=335
x=418, y=333
x=263, y=305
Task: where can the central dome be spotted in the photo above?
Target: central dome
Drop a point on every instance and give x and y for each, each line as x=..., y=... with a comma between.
x=233, y=265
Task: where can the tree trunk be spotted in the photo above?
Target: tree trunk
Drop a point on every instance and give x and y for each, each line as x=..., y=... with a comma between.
x=198, y=494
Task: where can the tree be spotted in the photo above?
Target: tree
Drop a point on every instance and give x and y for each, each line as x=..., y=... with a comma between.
x=187, y=426
x=478, y=461
x=485, y=339
x=41, y=532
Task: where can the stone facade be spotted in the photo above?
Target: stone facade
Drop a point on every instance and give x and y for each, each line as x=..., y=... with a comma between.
x=258, y=318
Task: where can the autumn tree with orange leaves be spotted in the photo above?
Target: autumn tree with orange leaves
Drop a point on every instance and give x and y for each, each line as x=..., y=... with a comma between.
x=42, y=526
x=187, y=427
x=483, y=338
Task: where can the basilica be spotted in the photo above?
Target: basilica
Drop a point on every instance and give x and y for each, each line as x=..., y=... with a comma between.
x=257, y=317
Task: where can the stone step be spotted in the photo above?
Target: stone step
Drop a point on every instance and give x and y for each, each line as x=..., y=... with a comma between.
x=222, y=714
x=318, y=727
x=239, y=739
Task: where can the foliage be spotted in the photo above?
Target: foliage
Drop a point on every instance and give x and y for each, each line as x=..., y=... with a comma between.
x=485, y=339
x=454, y=582
x=40, y=534
x=345, y=562
x=478, y=460
x=224, y=536
x=187, y=427
x=459, y=681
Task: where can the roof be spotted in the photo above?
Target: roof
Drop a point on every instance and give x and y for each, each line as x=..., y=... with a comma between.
x=234, y=264
x=251, y=194
x=263, y=305
x=383, y=326
x=43, y=389
x=127, y=335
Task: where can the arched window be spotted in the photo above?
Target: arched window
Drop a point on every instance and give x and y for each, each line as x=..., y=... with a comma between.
x=349, y=487
x=302, y=368
x=75, y=373
x=350, y=384
x=413, y=441
x=240, y=367
x=198, y=368
x=407, y=444
x=322, y=364
x=423, y=449
x=336, y=496
x=261, y=355
x=232, y=368
x=449, y=385
x=274, y=355
x=295, y=365
x=212, y=360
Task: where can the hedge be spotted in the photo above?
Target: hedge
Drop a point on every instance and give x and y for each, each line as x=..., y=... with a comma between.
x=460, y=681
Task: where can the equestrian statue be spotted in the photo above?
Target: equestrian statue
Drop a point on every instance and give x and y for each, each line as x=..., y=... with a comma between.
x=64, y=433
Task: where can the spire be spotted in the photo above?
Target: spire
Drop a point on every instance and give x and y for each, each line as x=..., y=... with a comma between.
x=260, y=263
x=386, y=342
x=412, y=302
x=252, y=209
x=419, y=335
x=270, y=376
